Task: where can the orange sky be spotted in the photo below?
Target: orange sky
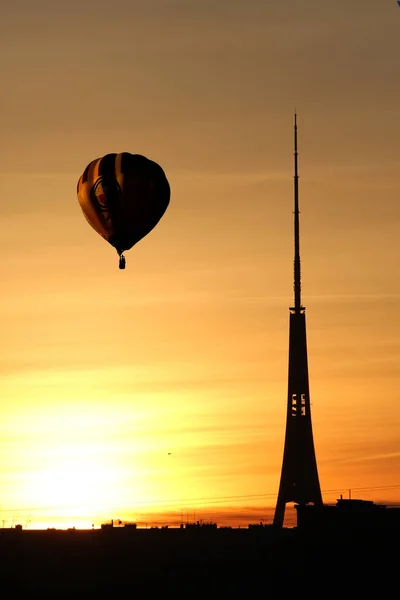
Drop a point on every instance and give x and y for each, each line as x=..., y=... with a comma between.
x=104, y=372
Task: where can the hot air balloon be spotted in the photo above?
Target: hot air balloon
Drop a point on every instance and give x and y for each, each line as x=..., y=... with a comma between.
x=123, y=197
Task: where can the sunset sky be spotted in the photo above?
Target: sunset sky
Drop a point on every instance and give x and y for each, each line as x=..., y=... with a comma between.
x=162, y=388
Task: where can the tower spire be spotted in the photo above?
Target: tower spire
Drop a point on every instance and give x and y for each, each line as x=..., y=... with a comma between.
x=299, y=476
x=297, y=267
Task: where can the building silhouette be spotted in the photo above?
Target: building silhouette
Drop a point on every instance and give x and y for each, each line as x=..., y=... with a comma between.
x=347, y=518
x=299, y=477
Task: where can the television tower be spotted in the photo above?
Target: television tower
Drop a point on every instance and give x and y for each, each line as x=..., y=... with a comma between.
x=299, y=477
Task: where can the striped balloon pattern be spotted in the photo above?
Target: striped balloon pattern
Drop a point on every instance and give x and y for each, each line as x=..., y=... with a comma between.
x=123, y=197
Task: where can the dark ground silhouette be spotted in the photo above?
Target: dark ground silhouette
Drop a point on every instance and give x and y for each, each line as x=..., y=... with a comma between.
x=204, y=562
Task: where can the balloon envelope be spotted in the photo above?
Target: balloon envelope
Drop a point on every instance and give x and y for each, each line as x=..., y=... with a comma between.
x=123, y=197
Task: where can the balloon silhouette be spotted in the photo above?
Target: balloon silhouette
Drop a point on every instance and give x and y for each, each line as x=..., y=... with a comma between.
x=123, y=197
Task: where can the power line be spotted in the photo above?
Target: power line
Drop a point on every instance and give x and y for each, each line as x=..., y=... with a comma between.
x=190, y=501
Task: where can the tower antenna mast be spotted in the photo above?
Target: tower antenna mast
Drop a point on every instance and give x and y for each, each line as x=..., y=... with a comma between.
x=297, y=264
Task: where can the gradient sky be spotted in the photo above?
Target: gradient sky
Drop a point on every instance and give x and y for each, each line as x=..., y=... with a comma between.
x=103, y=372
